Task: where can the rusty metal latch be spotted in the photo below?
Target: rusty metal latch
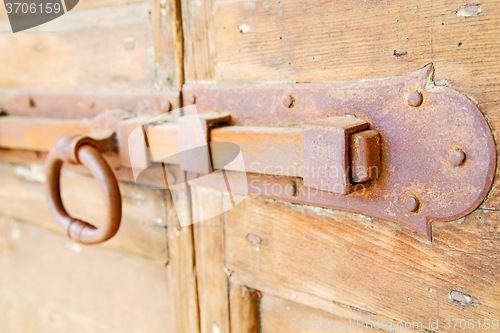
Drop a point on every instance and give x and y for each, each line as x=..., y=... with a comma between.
x=401, y=149
x=418, y=152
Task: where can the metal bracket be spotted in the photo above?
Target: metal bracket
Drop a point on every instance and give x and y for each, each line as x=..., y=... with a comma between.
x=438, y=155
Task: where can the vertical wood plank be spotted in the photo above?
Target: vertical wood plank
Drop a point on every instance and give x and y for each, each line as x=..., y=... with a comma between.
x=212, y=278
x=199, y=31
x=168, y=43
x=181, y=267
x=244, y=309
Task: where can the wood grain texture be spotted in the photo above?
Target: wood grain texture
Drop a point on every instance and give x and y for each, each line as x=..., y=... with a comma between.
x=181, y=267
x=368, y=264
x=346, y=40
x=244, y=309
x=211, y=275
x=50, y=284
x=200, y=54
x=142, y=231
x=280, y=315
x=104, y=48
x=168, y=43
x=84, y=5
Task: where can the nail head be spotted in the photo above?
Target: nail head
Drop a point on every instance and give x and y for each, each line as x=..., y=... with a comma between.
x=457, y=157
x=288, y=101
x=411, y=204
x=291, y=189
x=415, y=99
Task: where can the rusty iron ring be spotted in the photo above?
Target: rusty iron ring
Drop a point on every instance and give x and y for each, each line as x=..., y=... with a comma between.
x=78, y=149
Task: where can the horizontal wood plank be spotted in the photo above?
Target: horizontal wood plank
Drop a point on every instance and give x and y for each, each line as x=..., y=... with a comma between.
x=50, y=284
x=105, y=48
x=142, y=231
x=367, y=263
x=280, y=315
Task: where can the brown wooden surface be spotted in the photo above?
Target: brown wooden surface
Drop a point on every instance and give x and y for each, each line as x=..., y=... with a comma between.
x=50, y=284
x=142, y=231
x=168, y=43
x=369, y=264
x=102, y=48
x=211, y=274
x=85, y=5
x=280, y=315
x=244, y=309
x=199, y=40
x=181, y=268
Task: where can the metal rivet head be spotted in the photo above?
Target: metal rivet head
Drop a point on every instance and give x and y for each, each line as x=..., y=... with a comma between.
x=291, y=189
x=288, y=101
x=457, y=157
x=411, y=204
x=191, y=99
x=414, y=99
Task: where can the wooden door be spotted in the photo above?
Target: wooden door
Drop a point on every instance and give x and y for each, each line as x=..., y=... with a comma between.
x=282, y=266
x=265, y=265
x=142, y=280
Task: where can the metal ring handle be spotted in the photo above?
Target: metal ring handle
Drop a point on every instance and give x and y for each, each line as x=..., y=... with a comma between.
x=83, y=150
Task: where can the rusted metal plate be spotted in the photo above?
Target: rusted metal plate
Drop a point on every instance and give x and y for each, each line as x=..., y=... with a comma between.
x=84, y=104
x=421, y=126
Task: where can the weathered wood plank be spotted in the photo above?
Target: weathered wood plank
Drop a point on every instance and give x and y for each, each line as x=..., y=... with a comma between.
x=168, y=43
x=50, y=284
x=105, y=48
x=211, y=275
x=357, y=40
x=280, y=315
x=369, y=264
x=244, y=309
x=200, y=54
x=142, y=231
x=84, y=5
x=181, y=267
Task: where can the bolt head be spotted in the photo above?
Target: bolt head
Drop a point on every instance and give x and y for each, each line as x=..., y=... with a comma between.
x=414, y=99
x=288, y=101
x=411, y=204
x=191, y=99
x=457, y=157
x=291, y=189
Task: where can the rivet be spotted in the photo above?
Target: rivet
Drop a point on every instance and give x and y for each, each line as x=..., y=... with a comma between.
x=411, y=204
x=291, y=189
x=414, y=99
x=191, y=99
x=288, y=101
x=457, y=157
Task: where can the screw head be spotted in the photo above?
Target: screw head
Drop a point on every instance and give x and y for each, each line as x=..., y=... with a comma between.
x=288, y=101
x=191, y=99
x=414, y=99
x=291, y=189
x=457, y=157
x=411, y=204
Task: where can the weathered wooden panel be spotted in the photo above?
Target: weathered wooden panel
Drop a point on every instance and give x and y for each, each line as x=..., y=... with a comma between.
x=103, y=48
x=367, y=263
x=211, y=275
x=244, y=309
x=142, y=231
x=199, y=40
x=50, y=284
x=84, y=5
x=181, y=268
x=280, y=315
x=346, y=40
